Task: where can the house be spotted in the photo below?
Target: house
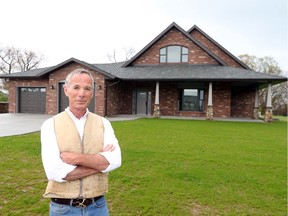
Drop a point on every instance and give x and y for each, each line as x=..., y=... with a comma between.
x=179, y=73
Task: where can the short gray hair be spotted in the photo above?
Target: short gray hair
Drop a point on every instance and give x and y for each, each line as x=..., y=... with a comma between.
x=78, y=71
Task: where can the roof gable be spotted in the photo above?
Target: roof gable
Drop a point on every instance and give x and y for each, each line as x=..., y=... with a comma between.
x=190, y=37
x=73, y=60
x=195, y=28
x=40, y=72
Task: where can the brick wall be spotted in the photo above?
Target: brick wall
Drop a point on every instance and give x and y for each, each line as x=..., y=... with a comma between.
x=61, y=74
x=225, y=104
x=174, y=37
x=13, y=88
x=221, y=100
x=215, y=49
x=243, y=102
x=51, y=94
x=4, y=106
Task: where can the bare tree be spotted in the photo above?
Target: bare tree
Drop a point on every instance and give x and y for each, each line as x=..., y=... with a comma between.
x=17, y=60
x=269, y=66
x=127, y=53
x=112, y=57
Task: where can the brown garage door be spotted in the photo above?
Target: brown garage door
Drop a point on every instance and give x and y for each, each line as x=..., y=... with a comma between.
x=32, y=100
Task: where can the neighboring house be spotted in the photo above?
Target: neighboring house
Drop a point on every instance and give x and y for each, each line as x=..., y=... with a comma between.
x=179, y=73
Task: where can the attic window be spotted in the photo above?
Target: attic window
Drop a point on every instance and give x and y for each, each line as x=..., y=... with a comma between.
x=173, y=54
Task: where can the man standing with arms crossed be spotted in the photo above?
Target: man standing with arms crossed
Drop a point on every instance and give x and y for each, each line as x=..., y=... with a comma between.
x=79, y=148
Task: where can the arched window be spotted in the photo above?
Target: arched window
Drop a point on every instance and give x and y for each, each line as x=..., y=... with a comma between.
x=173, y=54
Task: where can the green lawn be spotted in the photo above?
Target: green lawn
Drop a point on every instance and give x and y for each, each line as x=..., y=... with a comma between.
x=170, y=167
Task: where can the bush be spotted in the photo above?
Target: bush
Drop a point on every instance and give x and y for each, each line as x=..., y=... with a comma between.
x=3, y=97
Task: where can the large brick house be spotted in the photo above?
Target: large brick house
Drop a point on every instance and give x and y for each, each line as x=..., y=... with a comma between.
x=179, y=73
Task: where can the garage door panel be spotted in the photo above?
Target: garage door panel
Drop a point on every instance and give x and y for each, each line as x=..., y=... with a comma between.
x=32, y=100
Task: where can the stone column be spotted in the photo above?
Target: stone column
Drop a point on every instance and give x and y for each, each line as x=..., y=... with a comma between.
x=268, y=111
x=209, y=111
x=156, y=112
x=256, y=104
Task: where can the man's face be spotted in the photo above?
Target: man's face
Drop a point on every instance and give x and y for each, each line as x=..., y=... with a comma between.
x=79, y=91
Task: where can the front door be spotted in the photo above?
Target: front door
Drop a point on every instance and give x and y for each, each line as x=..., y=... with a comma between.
x=142, y=101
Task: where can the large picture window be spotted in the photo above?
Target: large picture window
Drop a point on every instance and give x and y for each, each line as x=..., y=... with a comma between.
x=173, y=54
x=191, y=100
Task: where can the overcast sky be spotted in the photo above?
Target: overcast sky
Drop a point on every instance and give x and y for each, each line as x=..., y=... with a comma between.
x=90, y=29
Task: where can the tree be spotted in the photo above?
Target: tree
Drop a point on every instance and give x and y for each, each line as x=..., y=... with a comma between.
x=17, y=60
x=279, y=92
x=128, y=53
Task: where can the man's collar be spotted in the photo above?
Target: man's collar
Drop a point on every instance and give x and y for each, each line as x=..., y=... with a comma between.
x=73, y=116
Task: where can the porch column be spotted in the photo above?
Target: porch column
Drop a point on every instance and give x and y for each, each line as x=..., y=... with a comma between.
x=256, y=104
x=268, y=111
x=209, y=112
x=156, y=113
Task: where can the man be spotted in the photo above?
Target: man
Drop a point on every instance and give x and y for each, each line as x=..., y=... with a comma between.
x=79, y=148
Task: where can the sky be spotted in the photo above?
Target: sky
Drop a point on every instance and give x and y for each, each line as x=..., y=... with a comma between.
x=90, y=30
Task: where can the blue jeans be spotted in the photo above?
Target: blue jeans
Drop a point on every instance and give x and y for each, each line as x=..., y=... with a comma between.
x=98, y=208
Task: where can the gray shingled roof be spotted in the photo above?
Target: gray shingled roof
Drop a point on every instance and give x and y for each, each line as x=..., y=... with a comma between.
x=166, y=72
x=26, y=74
x=184, y=72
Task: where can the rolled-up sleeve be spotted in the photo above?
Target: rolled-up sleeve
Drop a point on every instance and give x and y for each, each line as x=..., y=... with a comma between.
x=114, y=158
x=54, y=167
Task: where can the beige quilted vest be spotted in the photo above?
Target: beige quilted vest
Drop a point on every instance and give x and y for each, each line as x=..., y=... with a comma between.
x=68, y=139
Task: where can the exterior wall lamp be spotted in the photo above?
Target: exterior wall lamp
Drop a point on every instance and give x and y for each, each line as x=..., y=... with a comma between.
x=99, y=87
x=51, y=87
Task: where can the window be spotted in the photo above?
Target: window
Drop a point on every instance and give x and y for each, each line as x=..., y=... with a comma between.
x=191, y=100
x=173, y=54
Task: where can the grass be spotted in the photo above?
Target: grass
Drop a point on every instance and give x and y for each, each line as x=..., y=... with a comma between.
x=170, y=167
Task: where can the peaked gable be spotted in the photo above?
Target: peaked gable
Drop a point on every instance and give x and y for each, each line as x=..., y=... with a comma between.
x=174, y=27
x=73, y=60
x=41, y=72
x=215, y=47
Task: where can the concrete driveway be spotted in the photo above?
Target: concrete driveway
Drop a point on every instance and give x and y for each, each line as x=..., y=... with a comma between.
x=21, y=123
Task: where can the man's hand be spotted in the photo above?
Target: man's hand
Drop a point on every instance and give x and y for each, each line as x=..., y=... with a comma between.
x=73, y=158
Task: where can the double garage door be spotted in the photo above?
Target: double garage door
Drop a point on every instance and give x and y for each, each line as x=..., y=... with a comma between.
x=32, y=100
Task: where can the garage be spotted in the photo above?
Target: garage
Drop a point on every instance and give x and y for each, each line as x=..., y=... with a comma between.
x=32, y=100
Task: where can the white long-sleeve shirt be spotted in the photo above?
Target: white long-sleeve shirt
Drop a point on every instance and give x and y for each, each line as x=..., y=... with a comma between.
x=54, y=167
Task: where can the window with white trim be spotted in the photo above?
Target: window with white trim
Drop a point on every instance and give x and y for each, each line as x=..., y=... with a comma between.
x=173, y=54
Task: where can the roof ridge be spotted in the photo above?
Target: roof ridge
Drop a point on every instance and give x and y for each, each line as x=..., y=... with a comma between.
x=175, y=25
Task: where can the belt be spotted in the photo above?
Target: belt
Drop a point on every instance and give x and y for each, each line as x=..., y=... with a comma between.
x=76, y=202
